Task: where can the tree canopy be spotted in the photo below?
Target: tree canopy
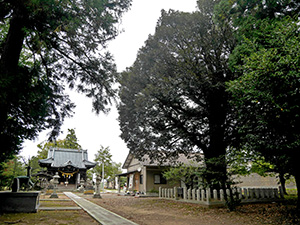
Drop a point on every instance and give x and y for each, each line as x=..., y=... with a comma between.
x=173, y=98
x=266, y=95
x=111, y=168
x=46, y=46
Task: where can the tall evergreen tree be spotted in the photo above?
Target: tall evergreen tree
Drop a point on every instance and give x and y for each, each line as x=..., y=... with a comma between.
x=173, y=99
x=45, y=46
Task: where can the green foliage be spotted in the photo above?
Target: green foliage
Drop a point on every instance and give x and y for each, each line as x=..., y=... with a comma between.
x=185, y=173
x=245, y=162
x=266, y=96
x=103, y=156
x=269, y=86
x=71, y=141
x=11, y=169
x=173, y=98
x=44, y=46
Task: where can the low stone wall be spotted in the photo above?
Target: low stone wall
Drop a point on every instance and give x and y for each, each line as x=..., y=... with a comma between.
x=17, y=202
x=217, y=197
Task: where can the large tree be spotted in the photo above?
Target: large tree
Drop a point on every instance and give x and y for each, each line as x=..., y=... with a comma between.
x=173, y=98
x=44, y=46
x=103, y=158
x=266, y=97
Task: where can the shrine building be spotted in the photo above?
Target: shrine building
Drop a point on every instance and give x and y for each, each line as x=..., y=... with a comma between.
x=71, y=164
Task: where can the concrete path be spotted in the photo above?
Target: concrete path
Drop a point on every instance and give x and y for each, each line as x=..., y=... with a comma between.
x=100, y=214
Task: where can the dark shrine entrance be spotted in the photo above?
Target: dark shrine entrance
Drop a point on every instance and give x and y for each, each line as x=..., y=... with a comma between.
x=68, y=174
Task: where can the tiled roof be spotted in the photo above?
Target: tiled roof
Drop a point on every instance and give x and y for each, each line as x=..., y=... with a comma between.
x=146, y=161
x=59, y=157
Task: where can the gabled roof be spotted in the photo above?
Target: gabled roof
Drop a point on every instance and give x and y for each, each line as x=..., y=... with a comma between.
x=146, y=161
x=60, y=157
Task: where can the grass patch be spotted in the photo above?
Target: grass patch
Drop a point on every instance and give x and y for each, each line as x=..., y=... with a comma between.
x=46, y=217
x=57, y=203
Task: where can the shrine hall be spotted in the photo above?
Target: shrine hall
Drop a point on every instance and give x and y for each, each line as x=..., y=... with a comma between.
x=71, y=164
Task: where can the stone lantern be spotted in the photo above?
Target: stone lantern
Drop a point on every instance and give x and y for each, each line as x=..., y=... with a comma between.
x=81, y=188
x=98, y=182
x=55, y=182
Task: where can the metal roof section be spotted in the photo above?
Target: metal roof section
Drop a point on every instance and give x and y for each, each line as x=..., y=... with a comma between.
x=60, y=157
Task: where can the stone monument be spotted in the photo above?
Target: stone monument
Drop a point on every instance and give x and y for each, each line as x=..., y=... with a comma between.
x=55, y=182
x=98, y=183
x=81, y=188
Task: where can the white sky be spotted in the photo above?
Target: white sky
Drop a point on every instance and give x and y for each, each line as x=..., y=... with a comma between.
x=91, y=130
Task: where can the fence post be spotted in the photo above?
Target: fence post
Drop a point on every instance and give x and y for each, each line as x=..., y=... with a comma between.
x=256, y=193
x=175, y=193
x=262, y=193
x=246, y=193
x=207, y=195
x=189, y=194
x=202, y=194
x=215, y=194
x=239, y=190
x=159, y=192
x=193, y=194
x=221, y=194
x=184, y=193
x=198, y=195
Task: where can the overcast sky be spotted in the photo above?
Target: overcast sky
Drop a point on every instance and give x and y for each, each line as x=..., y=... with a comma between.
x=93, y=131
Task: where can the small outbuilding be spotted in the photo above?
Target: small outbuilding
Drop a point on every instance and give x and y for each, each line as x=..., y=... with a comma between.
x=71, y=164
x=146, y=175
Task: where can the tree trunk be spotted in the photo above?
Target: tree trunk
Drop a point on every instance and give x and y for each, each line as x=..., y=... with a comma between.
x=9, y=61
x=297, y=179
x=282, y=182
x=14, y=40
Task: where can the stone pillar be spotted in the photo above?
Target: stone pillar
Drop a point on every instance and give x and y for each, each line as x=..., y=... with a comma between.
x=159, y=192
x=215, y=194
x=251, y=193
x=202, y=194
x=55, y=182
x=256, y=192
x=222, y=195
x=239, y=190
x=198, y=195
x=194, y=194
x=175, y=193
x=246, y=193
x=81, y=188
x=262, y=193
x=207, y=195
x=184, y=193
x=98, y=183
x=228, y=193
x=189, y=194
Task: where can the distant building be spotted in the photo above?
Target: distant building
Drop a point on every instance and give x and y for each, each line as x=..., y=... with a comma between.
x=146, y=175
x=71, y=164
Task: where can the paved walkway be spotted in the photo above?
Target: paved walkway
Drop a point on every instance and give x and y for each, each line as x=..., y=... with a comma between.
x=100, y=214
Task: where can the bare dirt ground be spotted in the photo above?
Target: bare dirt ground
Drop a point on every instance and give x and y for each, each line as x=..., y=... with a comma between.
x=149, y=211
